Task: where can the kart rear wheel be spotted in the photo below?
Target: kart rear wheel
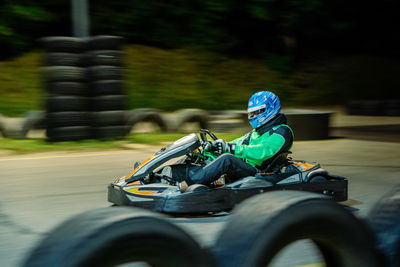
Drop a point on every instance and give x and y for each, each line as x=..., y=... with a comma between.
x=269, y=222
x=318, y=179
x=109, y=237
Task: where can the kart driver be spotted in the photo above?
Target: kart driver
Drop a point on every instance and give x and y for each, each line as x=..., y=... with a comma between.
x=253, y=152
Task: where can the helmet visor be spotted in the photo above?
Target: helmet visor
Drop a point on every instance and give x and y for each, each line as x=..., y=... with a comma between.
x=256, y=112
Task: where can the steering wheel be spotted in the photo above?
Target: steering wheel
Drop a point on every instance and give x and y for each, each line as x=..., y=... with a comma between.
x=203, y=136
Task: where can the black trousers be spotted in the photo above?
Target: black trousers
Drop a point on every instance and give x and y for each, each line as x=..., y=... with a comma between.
x=228, y=164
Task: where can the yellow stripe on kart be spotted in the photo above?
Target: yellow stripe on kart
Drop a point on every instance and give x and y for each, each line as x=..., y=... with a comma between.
x=140, y=191
x=140, y=166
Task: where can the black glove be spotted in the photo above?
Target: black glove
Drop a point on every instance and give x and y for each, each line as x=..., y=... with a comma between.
x=220, y=146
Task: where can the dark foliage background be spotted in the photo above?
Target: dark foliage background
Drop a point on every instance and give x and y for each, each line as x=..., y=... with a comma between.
x=190, y=53
x=254, y=28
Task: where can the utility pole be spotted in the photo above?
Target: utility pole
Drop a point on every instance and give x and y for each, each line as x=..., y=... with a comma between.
x=80, y=18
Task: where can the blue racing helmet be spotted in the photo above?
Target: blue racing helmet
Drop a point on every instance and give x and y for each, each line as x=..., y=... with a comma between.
x=263, y=106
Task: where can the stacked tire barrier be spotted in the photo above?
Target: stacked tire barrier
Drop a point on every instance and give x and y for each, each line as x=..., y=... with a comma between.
x=65, y=82
x=83, y=81
x=105, y=87
x=256, y=232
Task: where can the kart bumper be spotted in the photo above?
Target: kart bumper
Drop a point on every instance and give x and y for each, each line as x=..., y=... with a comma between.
x=218, y=199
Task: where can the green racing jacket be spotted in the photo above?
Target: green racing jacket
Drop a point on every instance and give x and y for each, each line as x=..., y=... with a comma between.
x=259, y=146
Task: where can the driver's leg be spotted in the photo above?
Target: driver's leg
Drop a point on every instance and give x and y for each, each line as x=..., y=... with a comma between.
x=228, y=164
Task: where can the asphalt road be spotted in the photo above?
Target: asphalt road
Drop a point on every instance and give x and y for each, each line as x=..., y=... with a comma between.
x=39, y=191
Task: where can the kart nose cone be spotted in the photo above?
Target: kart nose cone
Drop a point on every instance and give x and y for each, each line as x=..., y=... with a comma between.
x=120, y=181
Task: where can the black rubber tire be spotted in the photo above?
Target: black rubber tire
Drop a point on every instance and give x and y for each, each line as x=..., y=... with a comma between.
x=68, y=118
x=105, y=42
x=97, y=73
x=110, y=132
x=2, y=131
x=145, y=115
x=112, y=236
x=191, y=115
x=105, y=57
x=108, y=102
x=108, y=118
x=34, y=119
x=64, y=59
x=64, y=73
x=392, y=107
x=318, y=179
x=63, y=44
x=106, y=87
x=66, y=88
x=66, y=103
x=384, y=220
x=262, y=225
x=72, y=133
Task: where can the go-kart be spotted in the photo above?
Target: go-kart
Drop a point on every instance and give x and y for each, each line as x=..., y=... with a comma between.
x=153, y=186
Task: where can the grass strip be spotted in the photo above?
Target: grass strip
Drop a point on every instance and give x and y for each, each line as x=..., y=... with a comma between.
x=35, y=145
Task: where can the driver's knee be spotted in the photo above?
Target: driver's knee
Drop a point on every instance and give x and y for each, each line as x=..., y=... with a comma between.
x=226, y=157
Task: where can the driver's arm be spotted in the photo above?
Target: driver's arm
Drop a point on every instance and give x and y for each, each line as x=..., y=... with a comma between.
x=260, y=150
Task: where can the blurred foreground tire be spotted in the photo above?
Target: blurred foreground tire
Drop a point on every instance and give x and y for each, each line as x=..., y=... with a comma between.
x=263, y=225
x=70, y=133
x=384, y=220
x=118, y=235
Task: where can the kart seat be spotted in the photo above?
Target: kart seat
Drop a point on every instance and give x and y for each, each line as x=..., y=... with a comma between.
x=277, y=162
